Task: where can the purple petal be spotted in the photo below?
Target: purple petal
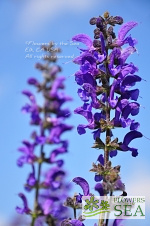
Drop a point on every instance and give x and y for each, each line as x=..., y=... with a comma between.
x=31, y=181
x=40, y=140
x=112, y=101
x=115, y=54
x=58, y=83
x=98, y=116
x=125, y=122
x=85, y=39
x=81, y=129
x=129, y=68
x=76, y=223
x=25, y=209
x=102, y=43
x=125, y=28
x=83, y=95
x=85, y=112
x=134, y=152
x=120, y=106
x=46, y=206
x=113, y=153
x=101, y=159
x=131, y=108
x=131, y=41
x=134, y=126
x=26, y=108
x=96, y=133
x=98, y=178
x=131, y=136
x=99, y=189
x=86, y=60
x=56, y=152
x=119, y=185
x=33, y=81
x=125, y=53
x=131, y=94
x=83, y=184
x=30, y=95
x=130, y=80
x=117, y=222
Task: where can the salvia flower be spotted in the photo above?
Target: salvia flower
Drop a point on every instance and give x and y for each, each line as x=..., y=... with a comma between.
x=106, y=79
x=49, y=119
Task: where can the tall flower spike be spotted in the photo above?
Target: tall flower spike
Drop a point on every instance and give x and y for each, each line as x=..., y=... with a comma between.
x=106, y=80
x=50, y=187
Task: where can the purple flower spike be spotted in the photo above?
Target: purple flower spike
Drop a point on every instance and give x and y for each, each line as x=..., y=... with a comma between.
x=48, y=118
x=106, y=81
x=83, y=184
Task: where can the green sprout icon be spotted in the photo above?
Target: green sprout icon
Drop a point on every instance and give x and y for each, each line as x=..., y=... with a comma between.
x=105, y=205
x=91, y=203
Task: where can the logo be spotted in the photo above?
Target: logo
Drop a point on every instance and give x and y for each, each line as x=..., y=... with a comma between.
x=112, y=207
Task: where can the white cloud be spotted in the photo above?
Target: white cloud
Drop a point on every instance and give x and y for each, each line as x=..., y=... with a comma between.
x=36, y=12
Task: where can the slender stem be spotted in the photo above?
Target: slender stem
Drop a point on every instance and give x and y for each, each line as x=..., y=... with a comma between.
x=38, y=179
x=106, y=152
x=107, y=220
x=37, y=185
x=33, y=220
x=108, y=131
x=75, y=213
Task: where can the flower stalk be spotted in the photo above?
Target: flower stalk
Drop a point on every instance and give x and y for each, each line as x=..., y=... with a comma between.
x=106, y=80
x=49, y=186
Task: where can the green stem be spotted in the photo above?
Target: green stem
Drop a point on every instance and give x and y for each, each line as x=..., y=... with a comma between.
x=107, y=220
x=33, y=221
x=38, y=179
x=106, y=151
x=108, y=131
x=75, y=214
x=37, y=186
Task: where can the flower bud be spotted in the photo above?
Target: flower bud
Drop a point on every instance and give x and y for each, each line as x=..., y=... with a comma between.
x=96, y=43
x=106, y=14
x=93, y=20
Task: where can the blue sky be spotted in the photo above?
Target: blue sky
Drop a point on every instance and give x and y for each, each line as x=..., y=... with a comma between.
x=40, y=21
